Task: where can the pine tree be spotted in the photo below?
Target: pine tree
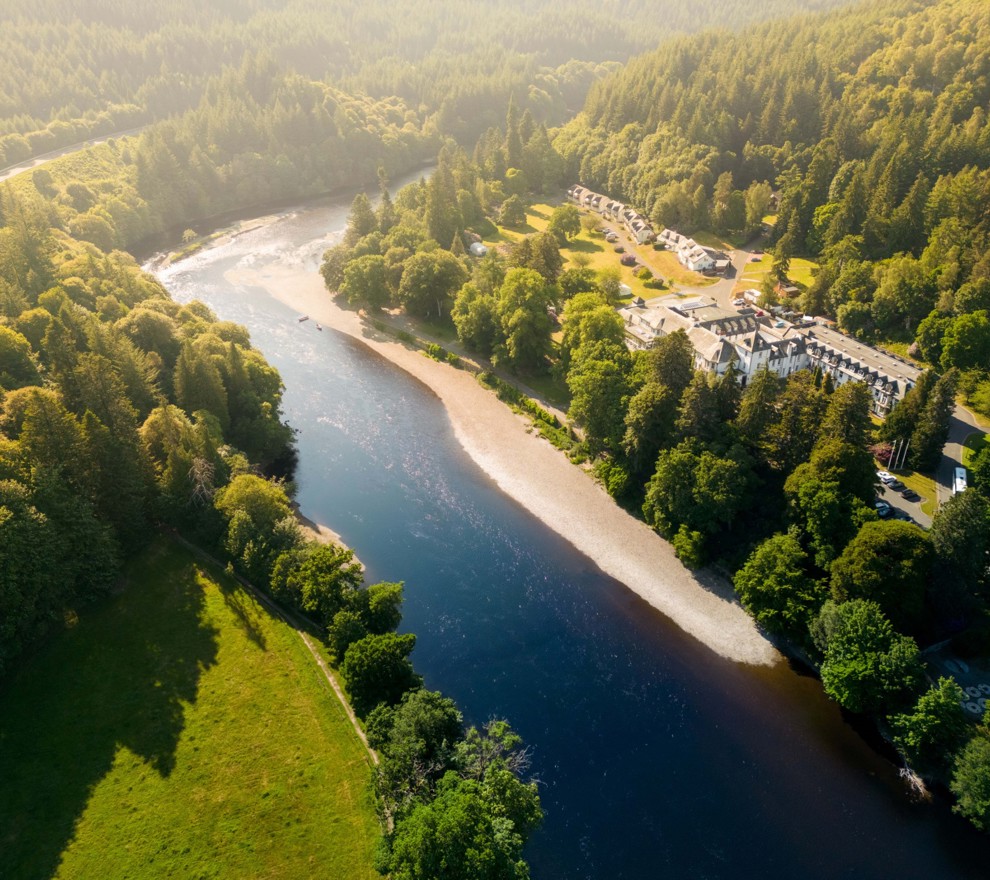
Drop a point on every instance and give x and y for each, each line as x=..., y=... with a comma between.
x=361, y=221
x=698, y=415
x=757, y=411
x=443, y=219
x=386, y=210
x=932, y=429
x=513, y=139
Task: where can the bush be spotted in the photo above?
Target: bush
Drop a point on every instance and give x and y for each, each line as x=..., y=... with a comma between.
x=614, y=477
x=689, y=546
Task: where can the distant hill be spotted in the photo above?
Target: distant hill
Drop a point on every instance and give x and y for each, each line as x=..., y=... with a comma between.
x=69, y=70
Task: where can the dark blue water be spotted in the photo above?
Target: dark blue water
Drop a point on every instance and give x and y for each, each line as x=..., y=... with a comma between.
x=657, y=759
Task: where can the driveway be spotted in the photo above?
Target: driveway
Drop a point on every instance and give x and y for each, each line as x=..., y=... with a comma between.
x=962, y=424
x=721, y=290
x=905, y=508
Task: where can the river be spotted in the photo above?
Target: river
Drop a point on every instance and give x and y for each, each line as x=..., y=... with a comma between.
x=656, y=758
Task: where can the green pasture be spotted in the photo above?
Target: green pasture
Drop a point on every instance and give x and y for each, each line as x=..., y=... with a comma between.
x=179, y=730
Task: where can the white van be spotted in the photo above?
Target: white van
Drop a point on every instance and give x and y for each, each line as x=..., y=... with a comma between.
x=959, y=481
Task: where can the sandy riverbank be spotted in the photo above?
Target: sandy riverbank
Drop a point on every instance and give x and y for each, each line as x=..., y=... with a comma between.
x=540, y=478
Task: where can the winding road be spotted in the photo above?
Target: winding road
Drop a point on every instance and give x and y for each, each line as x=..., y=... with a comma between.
x=37, y=161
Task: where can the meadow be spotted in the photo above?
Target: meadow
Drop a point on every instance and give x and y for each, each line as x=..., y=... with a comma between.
x=178, y=729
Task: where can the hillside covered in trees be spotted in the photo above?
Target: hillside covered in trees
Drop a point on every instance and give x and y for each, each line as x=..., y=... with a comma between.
x=872, y=126
x=69, y=70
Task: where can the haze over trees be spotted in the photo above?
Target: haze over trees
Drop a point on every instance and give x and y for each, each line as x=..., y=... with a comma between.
x=72, y=70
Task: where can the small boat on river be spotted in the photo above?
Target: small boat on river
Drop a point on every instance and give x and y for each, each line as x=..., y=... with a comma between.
x=303, y=318
x=319, y=326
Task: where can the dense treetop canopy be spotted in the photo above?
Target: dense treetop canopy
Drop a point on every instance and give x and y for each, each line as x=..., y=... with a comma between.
x=72, y=69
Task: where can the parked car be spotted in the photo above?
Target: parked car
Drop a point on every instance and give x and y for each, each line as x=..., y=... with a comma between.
x=910, y=495
x=739, y=302
x=883, y=509
x=755, y=259
x=885, y=477
x=896, y=485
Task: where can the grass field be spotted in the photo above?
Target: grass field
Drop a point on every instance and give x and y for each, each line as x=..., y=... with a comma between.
x=179, y=730
x=801, y=272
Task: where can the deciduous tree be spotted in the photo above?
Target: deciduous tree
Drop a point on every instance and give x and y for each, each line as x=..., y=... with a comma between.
x=775, y=588
x=867, y=666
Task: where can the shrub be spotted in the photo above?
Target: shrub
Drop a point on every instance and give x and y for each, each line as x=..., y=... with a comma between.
x=689, y=545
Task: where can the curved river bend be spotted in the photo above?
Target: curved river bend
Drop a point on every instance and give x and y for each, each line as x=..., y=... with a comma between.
x=657, y=759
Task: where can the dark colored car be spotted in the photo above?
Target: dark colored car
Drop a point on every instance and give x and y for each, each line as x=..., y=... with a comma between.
x=896, y=485
x=910, y=495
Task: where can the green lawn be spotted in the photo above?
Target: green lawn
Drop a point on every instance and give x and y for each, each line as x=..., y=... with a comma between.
x=801, y=272
x=597, y=253
x=973, y=444
x=179, y=730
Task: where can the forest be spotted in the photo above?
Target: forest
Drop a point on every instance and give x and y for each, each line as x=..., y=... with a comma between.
x=123, y=413
x=872, y=127
x=72, y=70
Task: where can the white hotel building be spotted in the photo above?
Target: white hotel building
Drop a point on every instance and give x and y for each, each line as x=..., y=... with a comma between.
x=750, y=342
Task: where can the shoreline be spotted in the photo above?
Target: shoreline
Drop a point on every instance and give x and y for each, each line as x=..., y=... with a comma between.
x=543, y=481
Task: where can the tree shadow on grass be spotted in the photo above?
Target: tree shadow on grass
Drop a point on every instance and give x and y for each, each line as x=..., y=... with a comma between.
x=120, y=679
x=244, y=613
x=584, y=246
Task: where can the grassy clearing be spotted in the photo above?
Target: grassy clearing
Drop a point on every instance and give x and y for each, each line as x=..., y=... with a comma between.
x=899, y=348
x=179, y=730
x=711, y=240
x=801, y=273
x=666, y=265
x=552, y=389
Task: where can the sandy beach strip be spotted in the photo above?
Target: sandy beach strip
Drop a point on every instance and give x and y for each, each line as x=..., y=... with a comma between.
x=543, y=480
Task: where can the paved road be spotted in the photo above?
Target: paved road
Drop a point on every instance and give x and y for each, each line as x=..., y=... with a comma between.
x=907, y=508
x=13, y=170
x=721, y=290
x=962, y=425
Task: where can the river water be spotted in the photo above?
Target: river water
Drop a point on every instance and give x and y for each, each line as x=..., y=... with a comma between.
x=656, y=758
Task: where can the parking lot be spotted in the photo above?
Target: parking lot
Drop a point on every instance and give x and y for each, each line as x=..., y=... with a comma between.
x=902, y=507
